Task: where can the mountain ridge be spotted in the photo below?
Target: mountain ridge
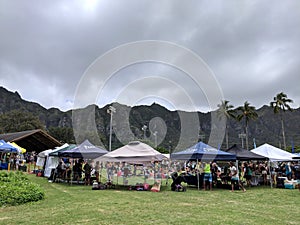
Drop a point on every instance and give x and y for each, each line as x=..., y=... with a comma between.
x=266, y=128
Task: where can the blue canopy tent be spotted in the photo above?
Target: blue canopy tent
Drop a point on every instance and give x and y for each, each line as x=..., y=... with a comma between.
x=85, y=150
x=5, y=147
x=204, y=152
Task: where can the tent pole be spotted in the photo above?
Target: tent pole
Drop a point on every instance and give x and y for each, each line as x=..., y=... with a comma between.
x=270, y=172
x=198, y=183
x=100, y=172
x=154, y=174
x=71, y=175
x=237, y=165
x=118, y=174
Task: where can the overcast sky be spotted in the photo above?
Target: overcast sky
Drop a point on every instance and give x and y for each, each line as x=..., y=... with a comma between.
x=252, y=49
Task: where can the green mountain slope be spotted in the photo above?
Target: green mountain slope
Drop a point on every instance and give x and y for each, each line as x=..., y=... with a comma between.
x=130, y=121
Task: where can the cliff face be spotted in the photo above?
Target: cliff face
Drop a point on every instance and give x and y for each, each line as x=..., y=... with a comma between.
x=50, y=117
x=267, y=128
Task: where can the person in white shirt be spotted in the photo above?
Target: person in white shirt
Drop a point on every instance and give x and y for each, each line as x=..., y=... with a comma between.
x=235, y=177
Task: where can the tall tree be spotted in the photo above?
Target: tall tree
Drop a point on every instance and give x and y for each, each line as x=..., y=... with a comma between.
x=63, y=134
x=17, y=120
x=281, y=105
x=226, y=110
x=248, y=113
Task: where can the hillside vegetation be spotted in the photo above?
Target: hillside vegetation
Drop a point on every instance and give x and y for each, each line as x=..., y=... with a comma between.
x=266, y=128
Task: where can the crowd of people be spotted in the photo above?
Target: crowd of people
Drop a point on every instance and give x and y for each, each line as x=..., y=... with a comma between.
x=87, y=170
x=17, y=161
x=244, y=174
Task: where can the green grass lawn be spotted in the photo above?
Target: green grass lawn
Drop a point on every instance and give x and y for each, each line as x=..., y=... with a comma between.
x=65, y=204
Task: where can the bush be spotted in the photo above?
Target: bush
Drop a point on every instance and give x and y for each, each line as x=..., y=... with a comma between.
x=16, y=189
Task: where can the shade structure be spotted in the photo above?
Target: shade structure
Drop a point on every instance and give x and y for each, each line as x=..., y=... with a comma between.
x=33, y=140
x=21, y=150
x=45, y=153
x=133, y=152
x=243, y=154
x=62, y=148
x=6, y=147
x=204, y=152
x=273, y=153
x=52, y=160
x=85, y=150
x=42, y=157
x=297, y=155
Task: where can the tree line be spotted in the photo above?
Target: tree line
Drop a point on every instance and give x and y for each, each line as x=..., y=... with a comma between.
x=246, y=113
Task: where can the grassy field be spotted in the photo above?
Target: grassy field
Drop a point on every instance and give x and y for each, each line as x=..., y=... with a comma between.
x=76, y=204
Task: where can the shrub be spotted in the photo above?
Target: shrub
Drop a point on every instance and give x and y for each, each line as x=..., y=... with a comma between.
x=16, y=189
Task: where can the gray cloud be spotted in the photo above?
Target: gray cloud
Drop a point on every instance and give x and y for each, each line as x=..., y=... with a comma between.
x=251, y=46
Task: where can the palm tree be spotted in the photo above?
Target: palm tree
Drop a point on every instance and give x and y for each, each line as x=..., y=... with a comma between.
x=280, y=105
x=247, y=113
x=225, y=110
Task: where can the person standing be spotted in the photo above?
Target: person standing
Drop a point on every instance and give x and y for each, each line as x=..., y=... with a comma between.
x=216, y=172
x=248, y=174
x=288, y=171
x=87, y=173
x=235, y=177
x=207, y=176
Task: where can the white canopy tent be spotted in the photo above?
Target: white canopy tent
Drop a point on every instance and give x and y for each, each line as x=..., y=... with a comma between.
x=42, y=157
x=52, y=161
x=134, y=152
x=297, y=155
x=273, y=153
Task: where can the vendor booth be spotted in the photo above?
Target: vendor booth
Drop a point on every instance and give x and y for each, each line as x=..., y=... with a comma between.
x=136, y=159
x=201, y=152
x=5, y=149
x=134, y=152
x=273, y=154
x=52, y=160
x=243, y=154
x=85, y=150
